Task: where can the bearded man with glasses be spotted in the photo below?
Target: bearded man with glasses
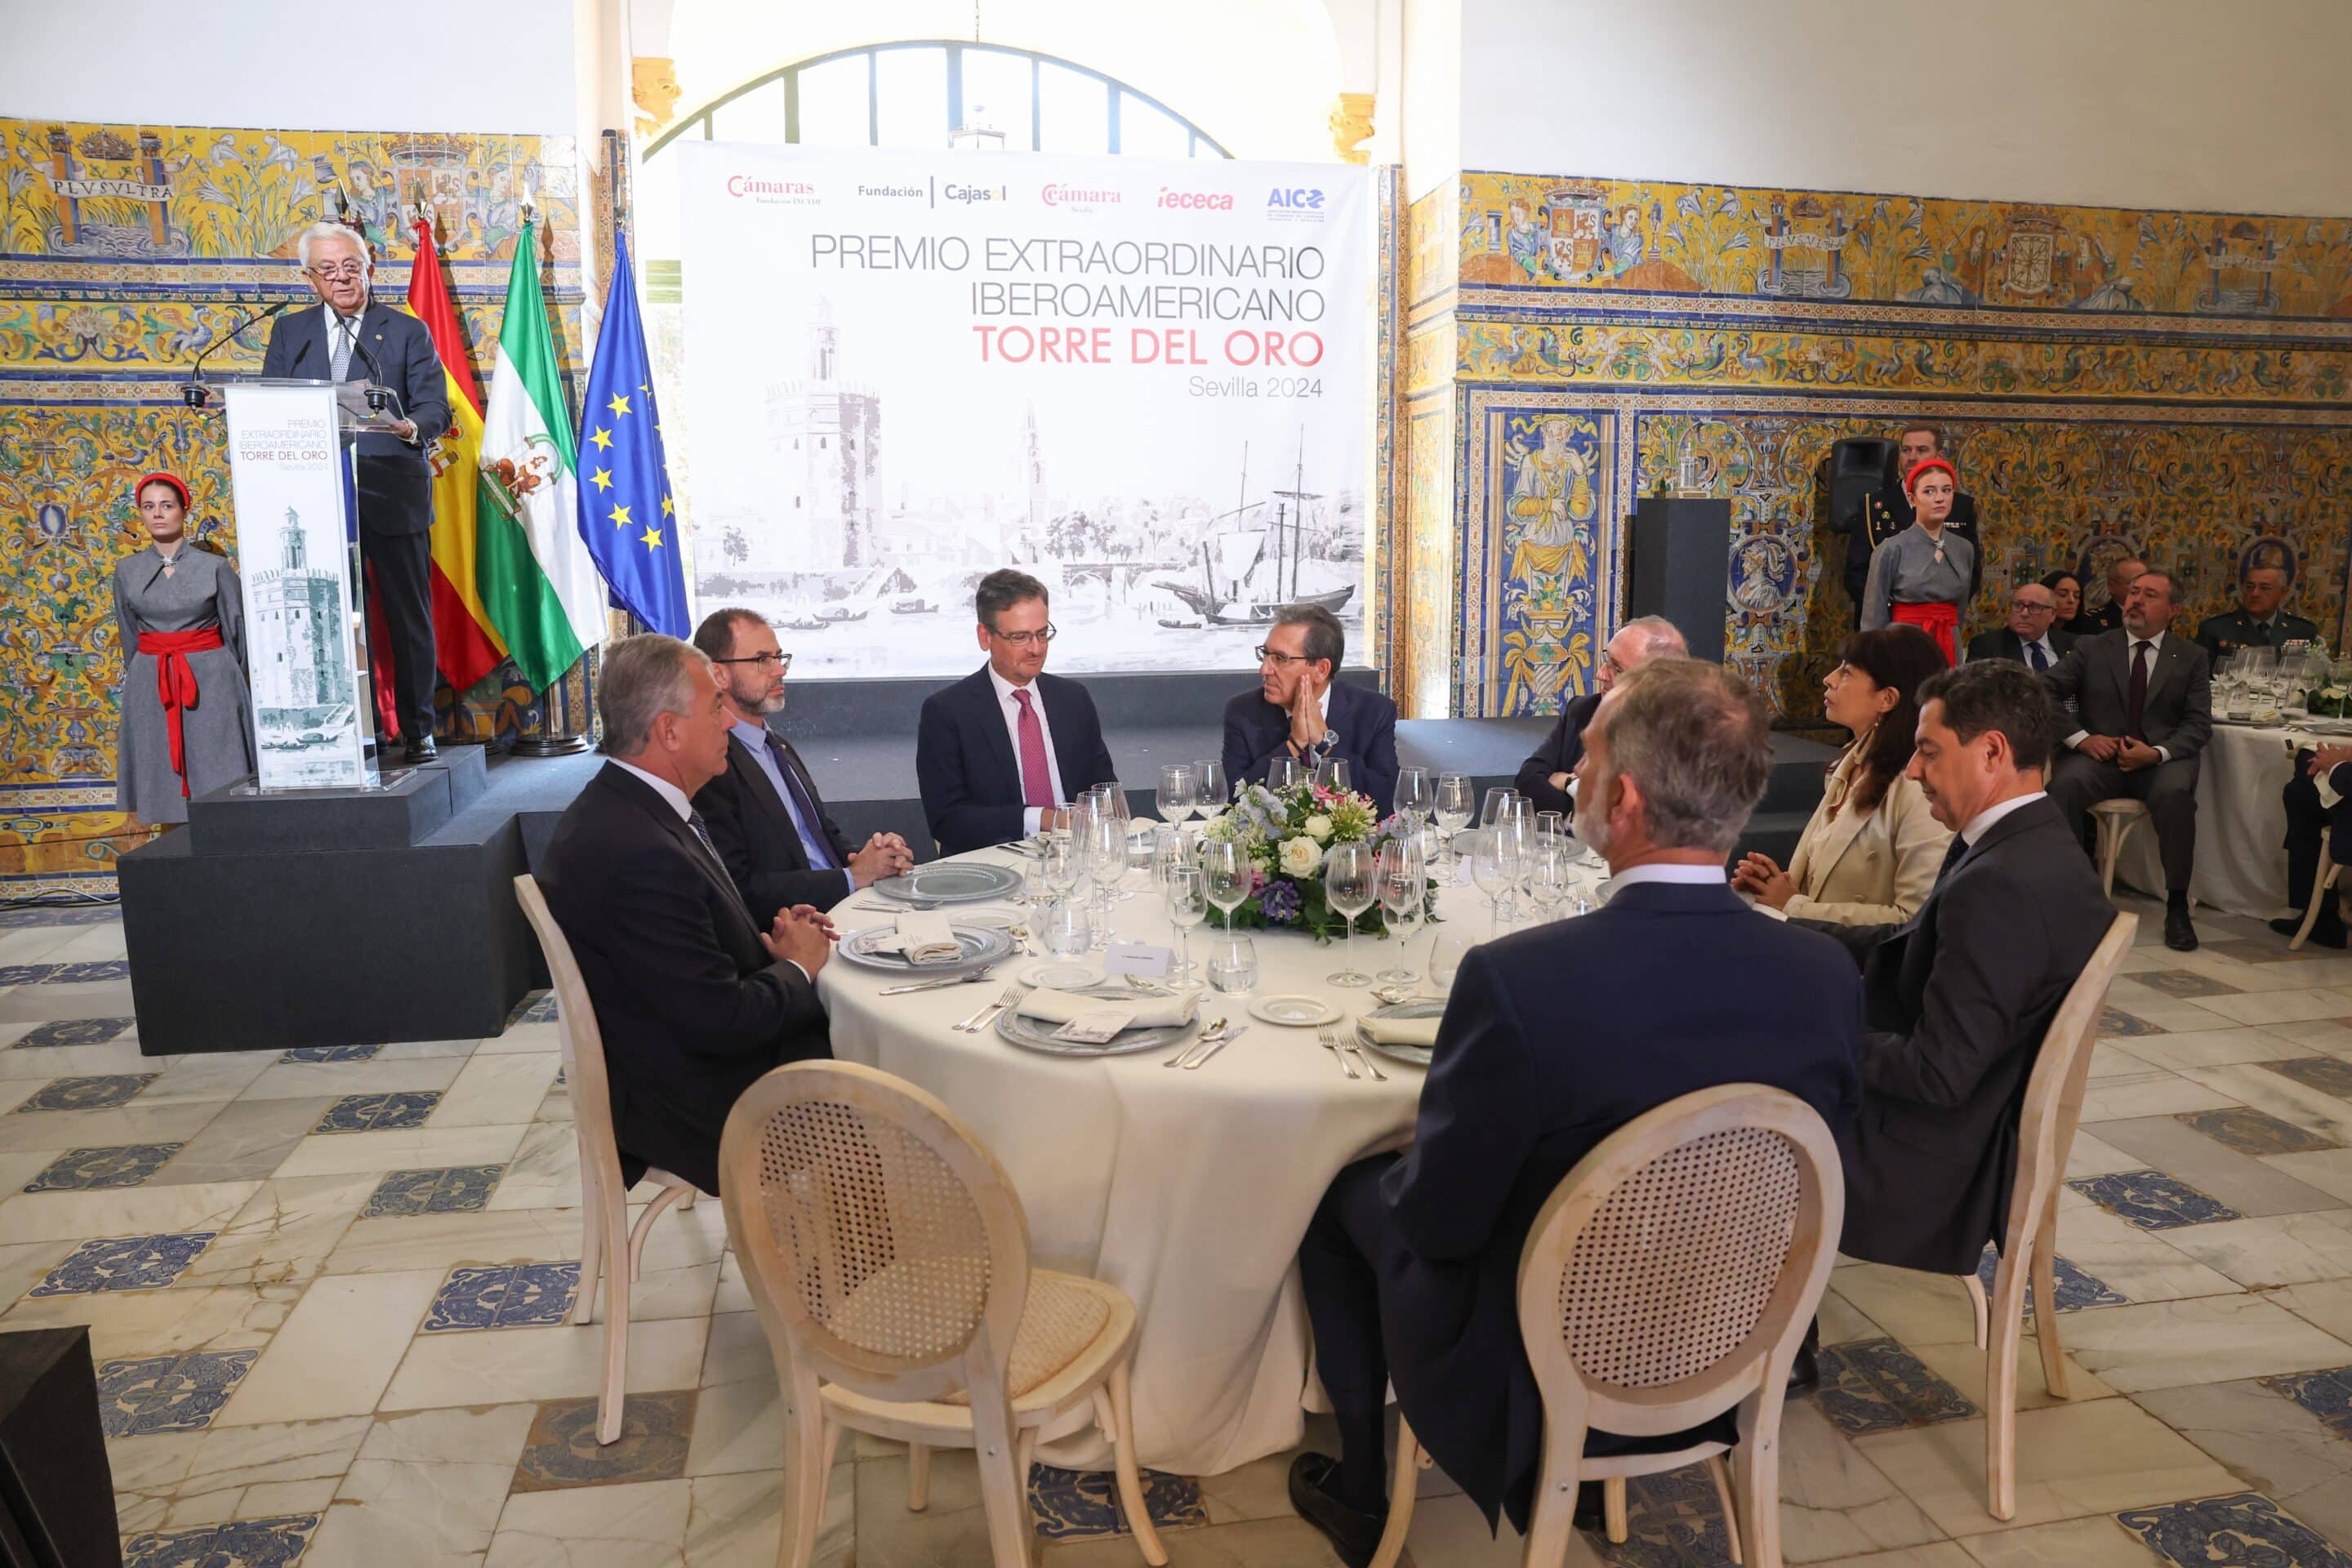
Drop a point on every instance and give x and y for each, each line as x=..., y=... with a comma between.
x=999, y=753
x=1300, y=710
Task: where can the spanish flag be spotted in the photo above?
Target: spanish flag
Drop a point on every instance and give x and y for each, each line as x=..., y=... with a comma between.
x=466, y=645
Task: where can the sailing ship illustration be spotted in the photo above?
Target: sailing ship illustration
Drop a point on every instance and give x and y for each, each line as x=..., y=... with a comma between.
x=1249, y=565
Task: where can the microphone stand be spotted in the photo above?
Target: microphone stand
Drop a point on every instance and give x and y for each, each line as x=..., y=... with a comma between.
x=197, y=393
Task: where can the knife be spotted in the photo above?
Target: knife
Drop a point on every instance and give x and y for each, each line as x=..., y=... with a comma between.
x=1219, y=1043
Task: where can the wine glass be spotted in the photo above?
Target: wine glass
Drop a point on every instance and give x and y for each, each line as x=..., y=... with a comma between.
x=1415, y=795
x=1549, y=878
x=1212, y=790
x=1175, y=797
x=1061, y=863
x=1284, y=773
x=1455, y=802
x=1333, y=774
x=1402, y=884
x=1498, y=804
x=1227, y=871
x=1106, y=852
x=1186, y=894
x=1494, y=870
x=1349, y=888
x=1445, y=950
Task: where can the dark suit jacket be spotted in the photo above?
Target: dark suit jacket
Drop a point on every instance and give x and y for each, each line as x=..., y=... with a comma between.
x=1522, y=1088
x=2094, y=680
x=2107, y=618
x=1958, y=998
x=754, y=829
x=691, y=1006
x=1257, y=733
x=395, y=481
x=1560, y=752
x=2234, y=629
x=965, y=766
x=2003, y=643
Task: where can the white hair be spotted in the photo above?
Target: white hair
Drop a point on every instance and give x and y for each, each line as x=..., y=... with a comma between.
x=319, y=232
x=1658, y=636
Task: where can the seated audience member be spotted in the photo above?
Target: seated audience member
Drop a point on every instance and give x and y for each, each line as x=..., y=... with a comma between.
x=2109, y=616
x=1410, y=1265
x=1958, y=996
x=694, y=1000
x=999, y=753
x=1543, y=777
x=2068, y=590
x=764, y=813
x=2031, y=637
x=2143, y=698
x=1302, y=710
x=2258, y=621
x=1872, y=847
x=2318, y=803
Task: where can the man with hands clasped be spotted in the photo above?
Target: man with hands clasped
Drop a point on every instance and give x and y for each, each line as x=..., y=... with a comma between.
x=1302, y=710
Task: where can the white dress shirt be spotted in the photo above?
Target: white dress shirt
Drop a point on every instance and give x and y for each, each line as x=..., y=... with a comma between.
x=1665, y=871
x=1984, y=819
x=754, y=736
x=675, y=799
x=1012, y=712
x=2131, y=651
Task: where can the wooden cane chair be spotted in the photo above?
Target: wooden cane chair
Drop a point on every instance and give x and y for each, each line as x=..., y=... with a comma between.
x=2114, y=820
x=1670, y=1277
x=2053, y=1105
x=605, y=1236
x=889, y=1258
x=2322, y=890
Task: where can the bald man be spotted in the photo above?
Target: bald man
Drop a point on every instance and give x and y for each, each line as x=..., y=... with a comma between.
x=1543, y=777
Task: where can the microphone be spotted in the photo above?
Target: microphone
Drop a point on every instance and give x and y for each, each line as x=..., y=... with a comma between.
x=380, y=396
x=196, y=393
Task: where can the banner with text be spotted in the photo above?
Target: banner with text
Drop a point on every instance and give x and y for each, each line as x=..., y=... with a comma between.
x=1148, y=384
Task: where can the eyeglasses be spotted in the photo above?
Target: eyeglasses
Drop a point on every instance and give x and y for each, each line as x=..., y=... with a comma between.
x=345, y=273
x=1265, y=653
x=1023, y=639
x=776, y=661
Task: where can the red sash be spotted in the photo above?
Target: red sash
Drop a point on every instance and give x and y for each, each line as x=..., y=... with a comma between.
x=175, y=683
x=1939, y=621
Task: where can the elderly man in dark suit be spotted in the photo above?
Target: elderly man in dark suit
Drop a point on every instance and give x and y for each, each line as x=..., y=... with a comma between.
x=2030, y=638
x=1958, y=996
x=1410, y=1265
x=2143, y=701
x=352, y=337
x=2318, y=801
x=1302, y=710
x=1544, y=777
x=694, y=999
x=1002, y=751
x=780, y=843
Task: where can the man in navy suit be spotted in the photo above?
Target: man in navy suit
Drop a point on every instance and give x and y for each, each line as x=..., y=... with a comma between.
x=1553, y=1039
x=1002, y=751
x=2318, y=801
x=1543, y=778
x=350, y=337
x=1300, y=710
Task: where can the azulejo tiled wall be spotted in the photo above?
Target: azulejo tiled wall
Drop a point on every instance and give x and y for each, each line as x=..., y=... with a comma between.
x=123, y=252
x=2178, y=384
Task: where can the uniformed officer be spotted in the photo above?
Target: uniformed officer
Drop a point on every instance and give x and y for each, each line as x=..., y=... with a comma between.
x=1887, y=511
x=2121, y=574
x=2258, y=622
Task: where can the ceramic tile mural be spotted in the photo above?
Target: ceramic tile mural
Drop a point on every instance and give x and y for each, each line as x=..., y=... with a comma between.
x=122, y=249
x=2175, y=386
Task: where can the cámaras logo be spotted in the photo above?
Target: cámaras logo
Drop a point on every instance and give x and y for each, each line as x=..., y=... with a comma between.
x=740, y=185
x=1196, y=201
x=1074, y=197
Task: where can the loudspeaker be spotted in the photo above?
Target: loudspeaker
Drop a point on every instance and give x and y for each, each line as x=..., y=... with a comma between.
x=1680, y=567
x=1855, y=466
x=57, y=1491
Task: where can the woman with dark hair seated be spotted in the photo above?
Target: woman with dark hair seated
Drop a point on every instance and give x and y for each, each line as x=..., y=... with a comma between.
x=1871, y=854
x=181, y=615
x=2067, y=589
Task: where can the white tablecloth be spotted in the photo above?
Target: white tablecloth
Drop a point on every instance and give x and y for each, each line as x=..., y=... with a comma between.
x=2241, y=827
x=1188, y=1190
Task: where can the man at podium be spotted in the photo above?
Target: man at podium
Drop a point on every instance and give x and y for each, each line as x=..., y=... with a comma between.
x=349, y=337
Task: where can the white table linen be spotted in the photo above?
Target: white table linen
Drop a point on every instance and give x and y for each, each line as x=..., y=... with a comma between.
x=2241, y=827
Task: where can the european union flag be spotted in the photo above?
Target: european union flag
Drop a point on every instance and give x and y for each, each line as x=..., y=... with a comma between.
x=625, y=507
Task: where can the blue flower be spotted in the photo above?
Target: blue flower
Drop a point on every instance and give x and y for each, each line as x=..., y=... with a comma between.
x=1279, y=902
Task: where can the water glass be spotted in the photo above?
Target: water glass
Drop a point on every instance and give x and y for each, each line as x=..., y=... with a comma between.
x=1233, y=965
x=1333, y=774
x=1069, y=930
x=1446, y=953
x=1349, y=888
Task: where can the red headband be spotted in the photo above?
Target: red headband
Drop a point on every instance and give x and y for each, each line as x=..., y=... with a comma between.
x=1911, y=479
x=160, y=478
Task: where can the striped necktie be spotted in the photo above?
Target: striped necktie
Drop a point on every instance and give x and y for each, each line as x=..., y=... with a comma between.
x=340, y=329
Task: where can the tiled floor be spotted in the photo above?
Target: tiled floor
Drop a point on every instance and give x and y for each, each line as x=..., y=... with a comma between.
x=328, y=1289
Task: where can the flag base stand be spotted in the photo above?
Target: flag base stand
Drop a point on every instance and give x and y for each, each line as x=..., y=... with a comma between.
x=555, y=705
x=549, y=746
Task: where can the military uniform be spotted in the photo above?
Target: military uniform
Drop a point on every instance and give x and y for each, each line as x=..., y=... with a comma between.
x=2107, y=618
x=1887, y=513
x=2220, y=635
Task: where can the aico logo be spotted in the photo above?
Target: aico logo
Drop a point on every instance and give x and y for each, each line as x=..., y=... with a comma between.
x=972, y=193
x=1196, y=201
x=1297, y=202
x=771, y=190
x=1073, y=197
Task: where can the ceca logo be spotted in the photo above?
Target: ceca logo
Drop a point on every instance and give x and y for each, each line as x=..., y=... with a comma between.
x=1196, y=201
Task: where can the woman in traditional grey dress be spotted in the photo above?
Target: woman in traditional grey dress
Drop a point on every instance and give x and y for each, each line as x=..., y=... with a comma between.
x=188, y=722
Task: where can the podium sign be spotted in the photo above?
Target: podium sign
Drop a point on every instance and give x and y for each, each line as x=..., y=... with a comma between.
x=288, y=468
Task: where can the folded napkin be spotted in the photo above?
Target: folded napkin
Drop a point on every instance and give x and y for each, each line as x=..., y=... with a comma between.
x=923, y=937
x=1150, y=1012
x=1400, y=1031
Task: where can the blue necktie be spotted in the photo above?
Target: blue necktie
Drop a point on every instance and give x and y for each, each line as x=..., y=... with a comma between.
x=2034, y=656
x=820, y=853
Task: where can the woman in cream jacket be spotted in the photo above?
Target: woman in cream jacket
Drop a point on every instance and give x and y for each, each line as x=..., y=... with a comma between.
x=1871, y=854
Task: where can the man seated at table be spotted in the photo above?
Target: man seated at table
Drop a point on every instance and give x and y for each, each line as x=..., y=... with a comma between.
x=2318, y=801
x=2030, y=638
x=2143, y=698
x=694, y=1000
x=1411, y=1264
x=770, y=823
x=1544, y=777
x=1301, y=710
x=2258, y=621
x=1000, y=752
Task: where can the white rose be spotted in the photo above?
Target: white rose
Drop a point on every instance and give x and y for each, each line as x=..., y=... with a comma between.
x=1300, y=856
x=1318, y=828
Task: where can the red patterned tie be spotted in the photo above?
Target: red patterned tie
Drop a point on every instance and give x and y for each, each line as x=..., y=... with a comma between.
x=1036, y=784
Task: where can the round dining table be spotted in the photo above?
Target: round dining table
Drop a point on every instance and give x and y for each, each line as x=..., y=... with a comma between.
x=1188, y=1189
x=2241, y=866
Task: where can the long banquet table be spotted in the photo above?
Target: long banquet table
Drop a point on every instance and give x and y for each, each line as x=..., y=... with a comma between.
x=1188, y=1190
x=2241, y=826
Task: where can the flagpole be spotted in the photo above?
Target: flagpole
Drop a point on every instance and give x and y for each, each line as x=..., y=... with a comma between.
x=556, y=737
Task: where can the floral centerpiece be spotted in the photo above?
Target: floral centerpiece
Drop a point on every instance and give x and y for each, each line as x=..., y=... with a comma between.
x=1287, y=835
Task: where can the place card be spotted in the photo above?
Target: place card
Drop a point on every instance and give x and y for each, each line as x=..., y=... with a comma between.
x=1096, y=1027
x=1138, y=958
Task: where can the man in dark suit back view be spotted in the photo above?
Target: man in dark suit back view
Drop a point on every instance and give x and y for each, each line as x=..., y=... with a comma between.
x=349, y=337
x=1000, y=752
x=1552, y=1039
x=1299, y=708
x=693, y=999
x=1544, y=777
x=2144, y=700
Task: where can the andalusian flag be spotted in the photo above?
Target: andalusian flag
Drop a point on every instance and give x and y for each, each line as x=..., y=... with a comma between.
x=531, y=566
x=465, y=644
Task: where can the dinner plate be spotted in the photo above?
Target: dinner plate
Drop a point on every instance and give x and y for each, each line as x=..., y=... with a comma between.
x=993, y=920
x=1412, y=1056
x=951, y=883
x=980, y=947
x=1059, y=974
x=1037, y=1034
x=1295, y=1012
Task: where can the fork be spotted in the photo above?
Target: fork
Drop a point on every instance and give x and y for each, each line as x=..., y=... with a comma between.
x=1370, y=1066
x=1329, y=1039
x=986, y=1015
